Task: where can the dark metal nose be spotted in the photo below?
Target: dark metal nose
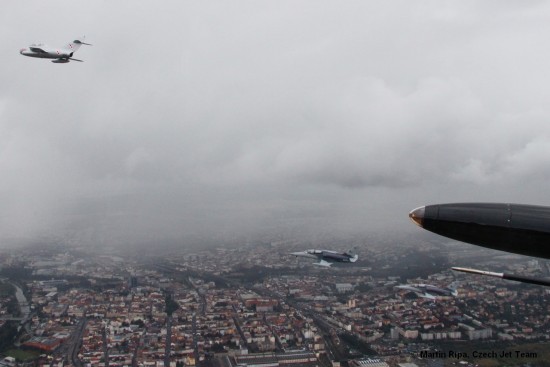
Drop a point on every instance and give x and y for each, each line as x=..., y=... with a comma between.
x=417, y=216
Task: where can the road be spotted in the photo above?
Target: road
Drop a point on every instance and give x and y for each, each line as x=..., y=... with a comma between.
x=168, y=344
x=71, y=346
x=23, y=307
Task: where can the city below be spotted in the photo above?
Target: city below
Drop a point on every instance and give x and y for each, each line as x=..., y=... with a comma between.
x=254, y=304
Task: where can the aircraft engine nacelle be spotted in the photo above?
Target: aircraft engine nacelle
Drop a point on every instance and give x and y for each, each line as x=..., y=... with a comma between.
x=60, y=61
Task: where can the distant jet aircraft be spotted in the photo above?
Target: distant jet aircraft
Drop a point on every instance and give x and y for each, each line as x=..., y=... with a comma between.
x=516, y=228
x=328, y=257
x=430, y=291
x=59, y=55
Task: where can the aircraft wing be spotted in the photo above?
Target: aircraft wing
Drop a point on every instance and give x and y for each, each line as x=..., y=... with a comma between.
x=37, y=49
x=427, y=295
x=323, y=263
x=408, y=288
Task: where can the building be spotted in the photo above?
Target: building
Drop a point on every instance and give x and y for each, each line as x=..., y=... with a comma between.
x=474, y=333
x=344, y=287
x=45, y=344
x=296, y=358
x=369, y=362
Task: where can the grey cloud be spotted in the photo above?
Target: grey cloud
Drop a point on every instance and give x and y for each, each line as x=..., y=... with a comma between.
x=217, y=117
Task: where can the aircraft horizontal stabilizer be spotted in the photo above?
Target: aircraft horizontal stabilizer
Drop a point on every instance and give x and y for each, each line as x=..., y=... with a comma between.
x=82, y=43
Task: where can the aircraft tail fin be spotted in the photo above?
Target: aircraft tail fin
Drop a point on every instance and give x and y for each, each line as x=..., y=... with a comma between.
x=453, y=287
x=75, y=45
x=352, y=254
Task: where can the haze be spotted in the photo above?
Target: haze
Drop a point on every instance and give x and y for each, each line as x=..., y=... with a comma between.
x=241, y=118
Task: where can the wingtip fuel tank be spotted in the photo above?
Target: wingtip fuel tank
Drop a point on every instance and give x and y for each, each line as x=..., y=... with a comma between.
x=516, y=228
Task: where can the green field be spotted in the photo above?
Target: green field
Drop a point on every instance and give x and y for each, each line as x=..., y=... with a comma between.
x=22, y=355
x=6, y=289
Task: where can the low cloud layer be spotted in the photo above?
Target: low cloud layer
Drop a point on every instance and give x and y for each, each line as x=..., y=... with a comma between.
x=243, y=118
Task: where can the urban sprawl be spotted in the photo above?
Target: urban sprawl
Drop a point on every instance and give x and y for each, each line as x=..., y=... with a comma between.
x=255, y=305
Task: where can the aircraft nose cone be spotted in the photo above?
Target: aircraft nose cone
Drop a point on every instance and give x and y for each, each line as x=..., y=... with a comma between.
x=22, y=50
x=417, y=216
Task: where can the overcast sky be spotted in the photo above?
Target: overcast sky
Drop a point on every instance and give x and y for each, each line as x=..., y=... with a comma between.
x=219, y=117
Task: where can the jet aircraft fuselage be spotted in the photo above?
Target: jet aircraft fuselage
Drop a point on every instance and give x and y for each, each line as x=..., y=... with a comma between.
x=328, y=257
x=58, y=55
x=429, y=291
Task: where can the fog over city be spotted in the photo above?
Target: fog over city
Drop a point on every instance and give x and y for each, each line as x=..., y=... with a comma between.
x=240, y=118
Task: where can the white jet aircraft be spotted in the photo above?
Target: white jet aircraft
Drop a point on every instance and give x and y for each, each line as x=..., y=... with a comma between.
x=430, y=291
x=328, y=257
x=59, y=55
